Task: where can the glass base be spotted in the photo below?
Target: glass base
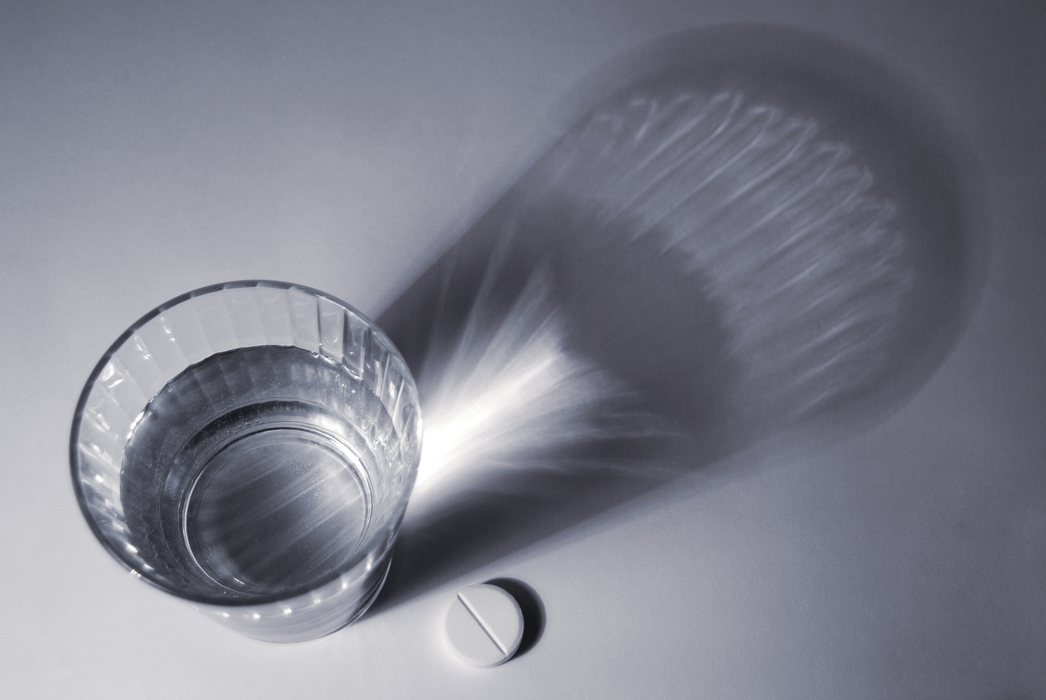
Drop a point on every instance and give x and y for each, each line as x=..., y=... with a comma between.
x=311, y=615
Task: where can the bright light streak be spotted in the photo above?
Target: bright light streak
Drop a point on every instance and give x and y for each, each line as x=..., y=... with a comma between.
x=521, y=391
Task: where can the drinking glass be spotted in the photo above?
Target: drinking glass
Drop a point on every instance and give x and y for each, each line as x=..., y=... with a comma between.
x=250, y=447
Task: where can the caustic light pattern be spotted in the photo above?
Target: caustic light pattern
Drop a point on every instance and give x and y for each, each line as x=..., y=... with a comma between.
x=807, y=258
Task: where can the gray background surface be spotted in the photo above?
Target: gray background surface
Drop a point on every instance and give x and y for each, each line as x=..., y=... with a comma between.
x=150, y=148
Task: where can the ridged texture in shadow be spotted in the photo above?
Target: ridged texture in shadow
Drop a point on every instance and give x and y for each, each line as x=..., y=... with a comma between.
x=807, y=259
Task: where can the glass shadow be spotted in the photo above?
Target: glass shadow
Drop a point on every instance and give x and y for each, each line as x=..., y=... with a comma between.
x=747, y=230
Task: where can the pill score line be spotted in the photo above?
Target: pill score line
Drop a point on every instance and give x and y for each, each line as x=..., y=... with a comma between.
x=482, y=624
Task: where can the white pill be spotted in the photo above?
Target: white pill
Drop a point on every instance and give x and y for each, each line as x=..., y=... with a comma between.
x=484, y=625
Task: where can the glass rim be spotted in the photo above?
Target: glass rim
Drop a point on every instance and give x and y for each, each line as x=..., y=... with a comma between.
x=121, y=340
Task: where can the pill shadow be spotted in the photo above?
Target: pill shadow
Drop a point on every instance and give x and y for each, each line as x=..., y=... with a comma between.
x=633, y=308
x=530, y=606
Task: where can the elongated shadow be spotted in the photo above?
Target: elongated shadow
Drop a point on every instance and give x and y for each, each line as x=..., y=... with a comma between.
x=752, y=230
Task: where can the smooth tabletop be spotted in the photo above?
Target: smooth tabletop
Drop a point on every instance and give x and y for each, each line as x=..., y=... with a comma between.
x=151, y=148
